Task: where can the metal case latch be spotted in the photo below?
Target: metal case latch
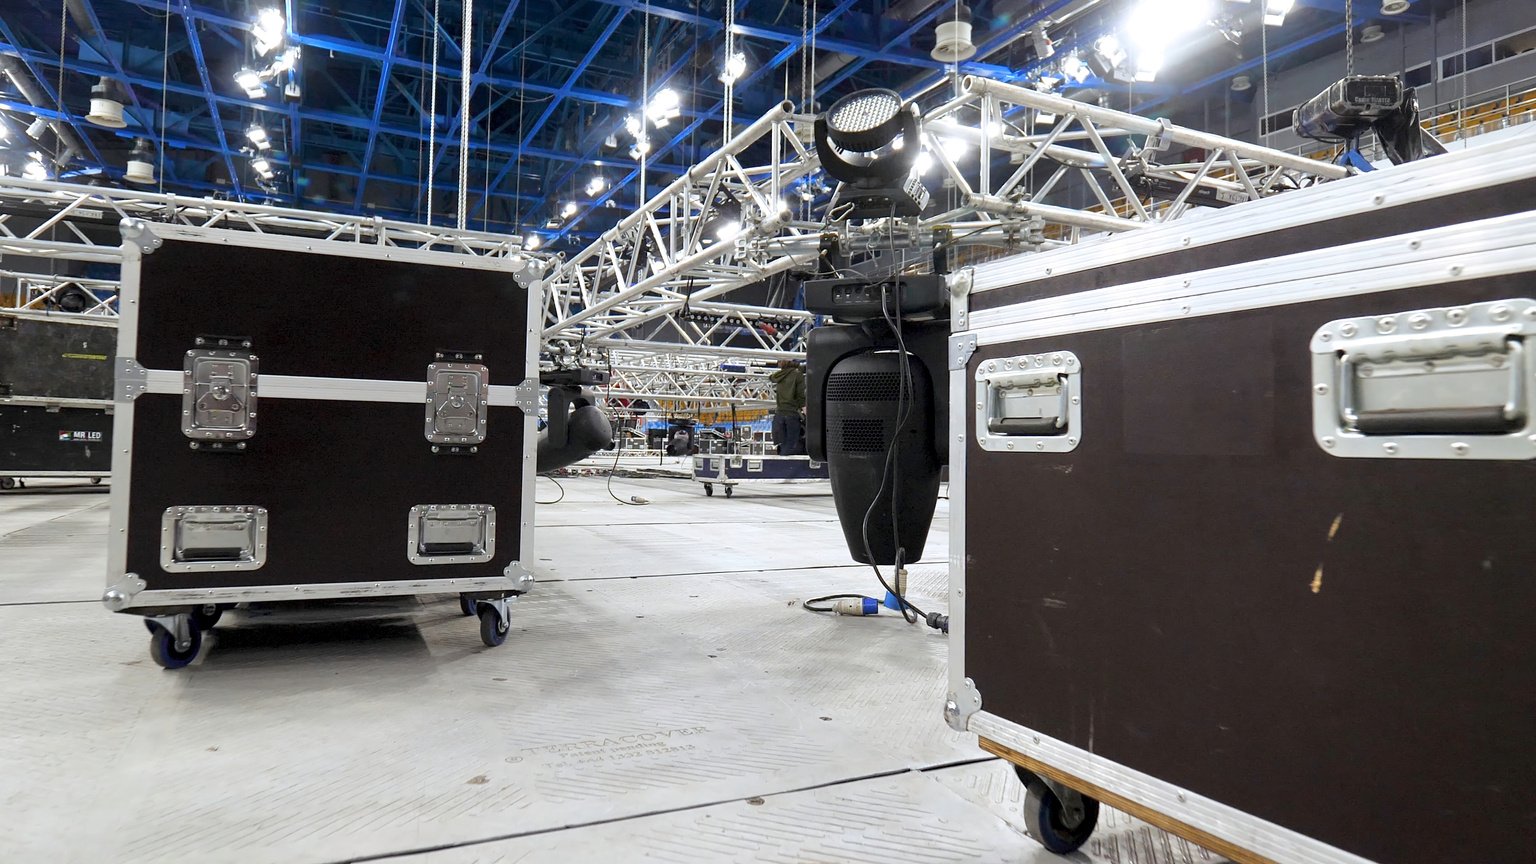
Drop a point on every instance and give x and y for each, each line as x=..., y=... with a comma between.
x=218, y=401
x=452, y=534
x=1031, y=403
x=458, y=399
x=1428, y=384
x=213, y=538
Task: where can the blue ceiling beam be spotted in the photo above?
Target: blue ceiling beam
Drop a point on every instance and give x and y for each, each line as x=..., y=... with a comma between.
x=576, y=73
x=378, y=99
x=1225, y=77
x=904, y=36
x=213, y=108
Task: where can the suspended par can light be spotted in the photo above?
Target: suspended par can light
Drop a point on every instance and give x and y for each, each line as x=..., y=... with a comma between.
x=258, y=137
x=735, y=67
x=141, y=164
x=1394, y=7
x=954, y=36
x=106, y=106
x=268, y=31
x=249, y=80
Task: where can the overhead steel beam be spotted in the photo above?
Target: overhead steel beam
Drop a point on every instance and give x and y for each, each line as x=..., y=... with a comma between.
x=378, y=99
x=213, y=108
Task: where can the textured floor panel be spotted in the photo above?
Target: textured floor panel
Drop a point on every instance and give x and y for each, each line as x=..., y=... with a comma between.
x=329, y=731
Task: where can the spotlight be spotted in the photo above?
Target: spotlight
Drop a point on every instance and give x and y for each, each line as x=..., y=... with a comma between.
x=569, y=210
x=258, y=137
x=641, y=148
x=34, y=169
x=1276, y=10
x=262, y=167
x=1149, y=62
x=1045, y=49
x=533, y=242
x=249, y=81
x=611, y=142
x=1379, y=103
x=268, y=31
x=596, y=185
x=735, y=67
x=1074, y=68
x=141, y=166
x=728, y=230
x=663, y=107
x=857, y=142
x=634, y=127
x=106, y=106
x=36, y=128
x=285, y=62
x=954, y=36
x=1394, y=7
x=1108, y=59
x=1371, y=33
x=1241, y=83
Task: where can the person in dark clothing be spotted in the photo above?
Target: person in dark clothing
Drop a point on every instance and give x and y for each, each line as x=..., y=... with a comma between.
x=789, y=402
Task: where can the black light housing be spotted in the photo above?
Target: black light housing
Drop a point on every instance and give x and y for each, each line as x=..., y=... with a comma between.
x=857, y=142
x=1350, y=107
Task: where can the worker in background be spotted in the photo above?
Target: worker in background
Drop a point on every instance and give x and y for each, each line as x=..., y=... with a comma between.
x=789, y=402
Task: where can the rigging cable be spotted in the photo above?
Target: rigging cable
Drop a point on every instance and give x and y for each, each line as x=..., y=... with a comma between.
x=432, y=112
x=466, y=34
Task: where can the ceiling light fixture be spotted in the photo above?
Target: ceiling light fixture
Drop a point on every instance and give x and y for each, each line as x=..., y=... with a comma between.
x=106, y=105
x=1371, y=33
x=1394, y=7
x=1276, y=10
x=34, y=169
x=570, y=209
x=533, y=242
x=1074, y=68
x=36, y=128
x=262, y=167
x=268, y=31
x=954, y=36
x=259, y=137
x=664, y=107
x=640, y=150
x=141, y=165
x=1241, y=83
x=1045, y=49
x=735, y=67
x=248, y=80
x=285, y=62
x=596, y=185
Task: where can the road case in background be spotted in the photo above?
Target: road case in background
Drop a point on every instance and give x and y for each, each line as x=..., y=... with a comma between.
x=1243, y=521
x=55, y=396
x=300, y=419
x=731, y=469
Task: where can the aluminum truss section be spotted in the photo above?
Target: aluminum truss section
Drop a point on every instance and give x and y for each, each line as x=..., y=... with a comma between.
x=69, y=211
x=48, y=293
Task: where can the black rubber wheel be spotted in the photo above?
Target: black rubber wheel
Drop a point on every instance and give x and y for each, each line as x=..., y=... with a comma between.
x=493, y=630
x=709, y=489
x=1051, y=822
x=207, y=617
x=95, y=481
x=162, y=648
x=466, y=605
x=7, y=482
x=728, y=491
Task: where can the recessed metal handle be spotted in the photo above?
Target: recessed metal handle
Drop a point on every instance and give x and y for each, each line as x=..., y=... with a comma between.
x=213, y=538
x=1431, y=383
x=451, y=534
x=1029, y=404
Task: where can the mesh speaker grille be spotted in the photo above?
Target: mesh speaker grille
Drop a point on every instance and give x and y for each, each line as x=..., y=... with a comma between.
x=860, y=434
x=863, y=386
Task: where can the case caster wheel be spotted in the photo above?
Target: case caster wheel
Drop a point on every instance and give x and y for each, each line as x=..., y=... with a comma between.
x=728, y=491
x=493, y=625
x=207, y=617
x=466, y=605
x=7, y=482
x=168, y=652
x=709, y=490
x=1058, y=818
x=95, y=481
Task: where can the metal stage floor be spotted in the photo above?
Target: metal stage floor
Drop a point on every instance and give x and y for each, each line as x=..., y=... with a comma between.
x=662, y=696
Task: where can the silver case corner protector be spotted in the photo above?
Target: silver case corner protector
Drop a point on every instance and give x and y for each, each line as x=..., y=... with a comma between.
x=119, y=595
x=522, y=580
x=129, y=380
x=959, y=706
x=961, y=347
x=137, y=232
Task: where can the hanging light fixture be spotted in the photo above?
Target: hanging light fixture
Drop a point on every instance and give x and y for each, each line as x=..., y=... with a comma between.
x=106, y=105
x=1394, y=7
x=34, y=169
x=735, y=67
x=570, y=209
x=954, y=36
x=1241, y=83
x=249, y=80
x=533, y=242
x=665, y=106
x=259, y=137
x=1276, y=10
x=141, y=164
x=860, y=141
x=596, y=185
x=1371, y=33
x=268, y=31
x=36, y=128
x=263, y=168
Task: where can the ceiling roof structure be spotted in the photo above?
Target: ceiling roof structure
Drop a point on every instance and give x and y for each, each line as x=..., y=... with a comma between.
x=367, y=120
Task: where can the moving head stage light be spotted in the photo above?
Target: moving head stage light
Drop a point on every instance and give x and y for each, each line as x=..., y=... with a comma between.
x=875, y=388
x=869, y=142
x=1360, y=103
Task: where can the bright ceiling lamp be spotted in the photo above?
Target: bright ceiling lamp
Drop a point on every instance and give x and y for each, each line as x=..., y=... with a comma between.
x=263, y=167
x=735, y=67
x=250, y=81
x=1074, y=68
x=641, y=149
x=1276, y=10
x=569, y=210
x=665, y=106
x=258, y=137
x=284, y=62
x=34, y=169
x=533, y=242
x=106, y=105
x=596, y=185
x=268, y=31
x=36, y=128
x=1157, y=25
